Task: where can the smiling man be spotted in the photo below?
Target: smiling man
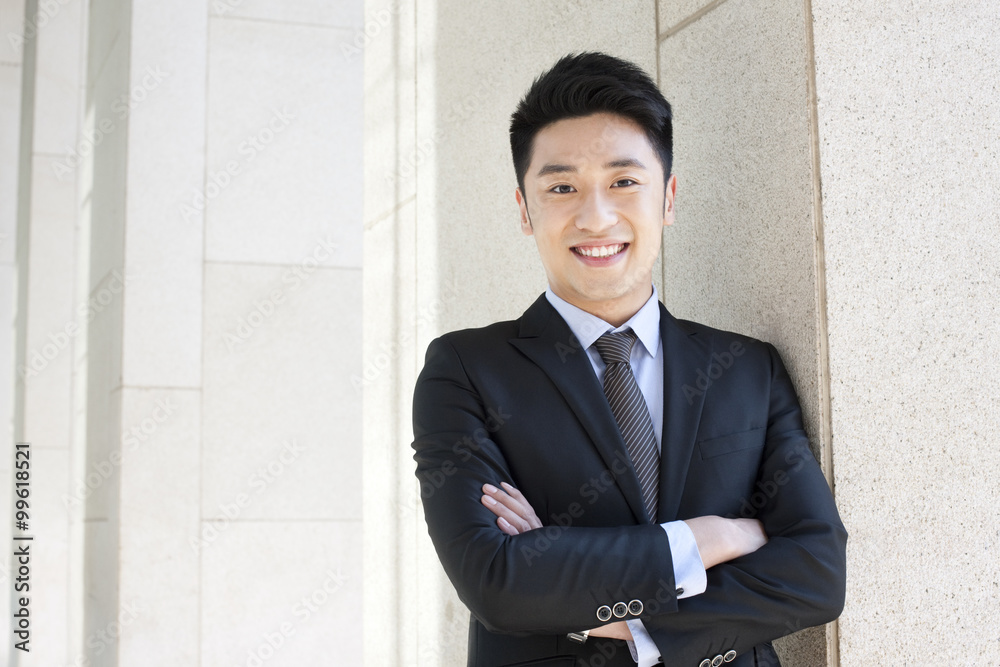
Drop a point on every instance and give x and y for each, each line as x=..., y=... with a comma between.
x=589, y=506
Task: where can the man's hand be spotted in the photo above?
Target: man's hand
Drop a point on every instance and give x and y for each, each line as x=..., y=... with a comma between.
x=515, y=515
x=721, y=540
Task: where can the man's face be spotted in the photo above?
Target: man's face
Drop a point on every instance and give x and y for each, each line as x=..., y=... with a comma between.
x=594, y=201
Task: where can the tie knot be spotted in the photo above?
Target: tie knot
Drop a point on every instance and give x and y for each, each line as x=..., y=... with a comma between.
x=616, y=348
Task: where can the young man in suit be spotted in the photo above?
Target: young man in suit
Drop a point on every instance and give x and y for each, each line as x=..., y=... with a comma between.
x=605, y=484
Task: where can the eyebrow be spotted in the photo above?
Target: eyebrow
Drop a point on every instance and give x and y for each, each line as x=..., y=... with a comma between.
x=552, y=168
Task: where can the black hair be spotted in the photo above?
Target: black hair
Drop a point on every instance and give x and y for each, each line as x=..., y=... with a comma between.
x=584, y=84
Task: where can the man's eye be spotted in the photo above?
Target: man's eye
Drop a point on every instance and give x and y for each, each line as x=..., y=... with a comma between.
x=562, y=189
x=624, y=183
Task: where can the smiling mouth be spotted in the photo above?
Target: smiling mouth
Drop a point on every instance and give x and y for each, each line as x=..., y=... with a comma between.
x=600, y=251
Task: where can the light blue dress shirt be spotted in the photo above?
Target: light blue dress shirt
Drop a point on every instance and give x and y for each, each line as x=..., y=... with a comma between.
x=647, y=365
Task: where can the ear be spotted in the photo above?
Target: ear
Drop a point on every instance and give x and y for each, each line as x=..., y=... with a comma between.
x=668, y=201
x=525, y=220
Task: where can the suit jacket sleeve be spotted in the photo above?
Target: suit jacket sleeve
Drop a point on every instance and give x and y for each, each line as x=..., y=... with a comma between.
x=797, y=579
x=521, y=583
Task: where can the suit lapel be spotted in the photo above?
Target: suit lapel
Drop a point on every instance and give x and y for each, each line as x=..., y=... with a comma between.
x=684, y=354
x=546, y=339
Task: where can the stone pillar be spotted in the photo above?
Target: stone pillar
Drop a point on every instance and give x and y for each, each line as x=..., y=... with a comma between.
x=192, y=228
x=746, y=252
x=45, y=246
x=908, y=118
x=226, y=199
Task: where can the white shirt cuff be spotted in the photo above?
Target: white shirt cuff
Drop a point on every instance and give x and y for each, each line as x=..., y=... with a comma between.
x=689, y=570
x=642, y=647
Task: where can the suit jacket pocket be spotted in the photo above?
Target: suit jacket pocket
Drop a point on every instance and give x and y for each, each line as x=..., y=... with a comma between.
x=734, y=442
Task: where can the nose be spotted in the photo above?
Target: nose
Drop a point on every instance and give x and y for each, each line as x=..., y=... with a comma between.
x=596, y=212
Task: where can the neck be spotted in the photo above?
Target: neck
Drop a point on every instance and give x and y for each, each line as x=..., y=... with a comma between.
x=615, y=312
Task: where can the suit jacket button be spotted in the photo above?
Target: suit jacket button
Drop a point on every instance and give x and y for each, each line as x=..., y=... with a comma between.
x=705, y=663
x=635, y=607
x=729, y=656
x=620, y=609
x=603, y=613
x=717, y=660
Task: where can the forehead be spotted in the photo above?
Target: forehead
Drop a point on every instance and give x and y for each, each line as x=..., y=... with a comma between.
x=590, y=140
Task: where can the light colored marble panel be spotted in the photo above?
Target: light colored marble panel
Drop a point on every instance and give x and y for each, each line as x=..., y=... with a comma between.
x=57, y=76
x=159, y=524
x=284, y=150
x=97, y=488
x=10, y=137
x=909, y=155
x=282, y=392
x=285, y=593
x=101, y=625
x=51, y=326
x=106, y=190
x=165, y=110
x=8, y=276
x=308, y=12
x=13, y=30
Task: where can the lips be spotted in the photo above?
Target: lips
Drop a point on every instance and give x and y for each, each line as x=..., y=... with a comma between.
x=600, y=251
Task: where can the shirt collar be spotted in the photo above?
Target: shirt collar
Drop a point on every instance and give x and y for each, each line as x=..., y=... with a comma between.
x=587, y=328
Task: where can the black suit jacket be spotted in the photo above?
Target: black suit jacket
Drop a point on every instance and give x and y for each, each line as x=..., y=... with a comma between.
x=518, y=401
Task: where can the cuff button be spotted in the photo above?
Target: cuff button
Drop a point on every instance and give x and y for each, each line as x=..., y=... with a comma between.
x=729, y=656
x=717, y=660
x=620, y=609
x=603, y=613
x=635, y=607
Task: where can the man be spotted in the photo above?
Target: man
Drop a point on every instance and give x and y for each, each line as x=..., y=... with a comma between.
x=605, y=484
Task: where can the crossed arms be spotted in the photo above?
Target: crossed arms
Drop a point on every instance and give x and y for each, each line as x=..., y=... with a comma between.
x=793, y=581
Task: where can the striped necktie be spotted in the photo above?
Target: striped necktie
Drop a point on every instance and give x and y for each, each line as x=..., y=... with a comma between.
x=631, y=413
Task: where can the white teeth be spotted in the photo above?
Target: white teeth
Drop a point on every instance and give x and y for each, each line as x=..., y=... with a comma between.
x=601, y=251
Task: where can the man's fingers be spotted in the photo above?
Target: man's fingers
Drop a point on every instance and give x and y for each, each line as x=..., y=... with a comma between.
x=506, y=527
x=510, y=517
x=521, y=505
x=515, y=510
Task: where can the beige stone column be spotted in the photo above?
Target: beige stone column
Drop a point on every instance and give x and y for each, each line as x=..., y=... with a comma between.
x=909, y=146
x=11, y=66
x=746, y=252
x=45, y=246
x=190, y=223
